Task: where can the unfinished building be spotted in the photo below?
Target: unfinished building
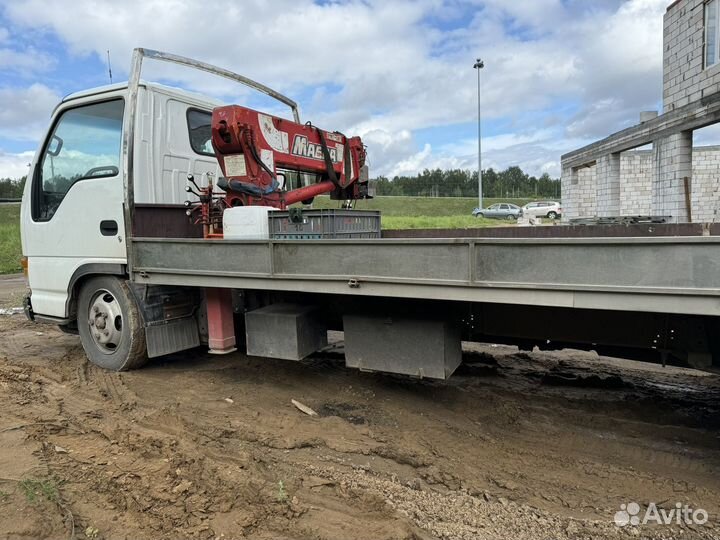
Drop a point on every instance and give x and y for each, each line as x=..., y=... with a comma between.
x=611, y=178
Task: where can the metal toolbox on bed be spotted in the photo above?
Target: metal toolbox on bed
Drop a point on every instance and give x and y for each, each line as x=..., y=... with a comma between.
x=299, y=224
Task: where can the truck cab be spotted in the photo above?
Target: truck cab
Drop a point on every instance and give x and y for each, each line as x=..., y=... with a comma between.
x=73, y=223
x=74, y=218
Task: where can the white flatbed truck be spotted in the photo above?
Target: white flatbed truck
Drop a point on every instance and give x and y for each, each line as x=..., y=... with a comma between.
x=111, y=255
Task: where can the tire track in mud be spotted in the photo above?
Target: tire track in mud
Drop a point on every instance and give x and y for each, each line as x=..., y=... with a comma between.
x=160, y=453
x=180, y=488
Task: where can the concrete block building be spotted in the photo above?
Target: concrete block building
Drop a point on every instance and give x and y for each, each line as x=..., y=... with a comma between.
x=612, y=178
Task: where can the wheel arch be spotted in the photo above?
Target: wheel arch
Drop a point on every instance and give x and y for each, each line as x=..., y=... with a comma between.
x=81, y=275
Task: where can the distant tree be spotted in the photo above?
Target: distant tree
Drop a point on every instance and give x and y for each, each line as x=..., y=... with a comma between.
x=512, y=182
x=11, y=188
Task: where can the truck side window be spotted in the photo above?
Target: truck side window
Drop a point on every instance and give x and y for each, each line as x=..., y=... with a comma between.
x=199, y=129
x=85, y=144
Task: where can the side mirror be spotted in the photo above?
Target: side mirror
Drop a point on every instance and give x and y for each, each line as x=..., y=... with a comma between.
x=54, y=146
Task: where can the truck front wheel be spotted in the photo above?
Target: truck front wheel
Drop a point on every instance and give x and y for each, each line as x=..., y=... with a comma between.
x=110, y=326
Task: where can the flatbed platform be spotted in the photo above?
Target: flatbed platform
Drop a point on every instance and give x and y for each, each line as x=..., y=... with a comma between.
x=657, y=274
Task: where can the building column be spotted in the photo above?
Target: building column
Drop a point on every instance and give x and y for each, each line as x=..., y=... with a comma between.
x=569, y=192
x=672, y=164
x=608, y=185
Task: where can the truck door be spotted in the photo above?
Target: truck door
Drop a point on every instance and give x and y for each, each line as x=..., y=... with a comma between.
x=72, y=212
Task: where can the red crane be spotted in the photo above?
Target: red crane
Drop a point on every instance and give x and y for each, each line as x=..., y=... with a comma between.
x=257, y=151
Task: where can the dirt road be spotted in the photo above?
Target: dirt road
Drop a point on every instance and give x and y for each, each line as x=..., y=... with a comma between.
x=516, y=446
x=12, y=288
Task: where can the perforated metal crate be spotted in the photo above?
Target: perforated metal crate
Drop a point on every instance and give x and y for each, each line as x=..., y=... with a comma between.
x=298, y=224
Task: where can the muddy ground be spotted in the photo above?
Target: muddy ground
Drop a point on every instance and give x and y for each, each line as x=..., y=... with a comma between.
x=515, y=446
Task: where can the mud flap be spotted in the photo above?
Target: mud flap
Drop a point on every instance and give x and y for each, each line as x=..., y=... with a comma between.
x=27, y=307
x=168, y=317
x=170, y=337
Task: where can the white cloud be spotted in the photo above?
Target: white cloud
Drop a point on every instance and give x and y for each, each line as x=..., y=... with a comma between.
x=385, y=148
x=380, y=69
x=284, y=43
x=25, y=112
x=14, y=165
x=21, y=59
x=605, y=63
x=535, y=151
x=26, y=61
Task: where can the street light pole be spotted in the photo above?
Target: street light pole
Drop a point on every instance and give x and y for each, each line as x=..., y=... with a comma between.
x=479, y=64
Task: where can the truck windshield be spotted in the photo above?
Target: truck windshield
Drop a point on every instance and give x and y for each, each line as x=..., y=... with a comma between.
x=84, y=144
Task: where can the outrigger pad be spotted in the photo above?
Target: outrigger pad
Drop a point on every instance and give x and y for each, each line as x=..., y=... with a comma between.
x=421, y=348
x=286, y=331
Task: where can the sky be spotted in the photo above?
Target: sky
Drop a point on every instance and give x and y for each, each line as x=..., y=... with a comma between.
x=558, y=74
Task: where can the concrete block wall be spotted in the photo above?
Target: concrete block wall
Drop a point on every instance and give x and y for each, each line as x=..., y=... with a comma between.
x=636, y=169
x=705, y=198
x=579, y=192
x=608, y=185
x=636, y=187
x=685, y=78
x=587, y=200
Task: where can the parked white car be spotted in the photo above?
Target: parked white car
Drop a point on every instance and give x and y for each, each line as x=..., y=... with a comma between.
x=548, y=209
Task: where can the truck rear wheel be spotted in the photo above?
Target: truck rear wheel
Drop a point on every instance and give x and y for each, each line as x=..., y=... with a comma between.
x=110, y=326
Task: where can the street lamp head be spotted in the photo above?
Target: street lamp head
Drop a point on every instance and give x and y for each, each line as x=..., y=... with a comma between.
x=479, y=64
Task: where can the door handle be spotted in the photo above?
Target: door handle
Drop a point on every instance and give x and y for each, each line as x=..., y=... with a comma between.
x=108, y=227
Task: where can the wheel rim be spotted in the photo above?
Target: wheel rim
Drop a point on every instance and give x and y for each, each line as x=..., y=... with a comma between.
x=105, y=319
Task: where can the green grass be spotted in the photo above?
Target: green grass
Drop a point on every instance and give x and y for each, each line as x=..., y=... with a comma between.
x=40, y=489
x=282, y=495
x=10, y=250
x=426, y=212
x=439, y=222
x=418, y=206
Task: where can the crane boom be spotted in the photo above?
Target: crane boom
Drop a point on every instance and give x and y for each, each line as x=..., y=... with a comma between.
x=256, y=151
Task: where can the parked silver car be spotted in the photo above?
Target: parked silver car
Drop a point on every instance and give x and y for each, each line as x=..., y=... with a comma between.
x=499, y=211
x=548, y=209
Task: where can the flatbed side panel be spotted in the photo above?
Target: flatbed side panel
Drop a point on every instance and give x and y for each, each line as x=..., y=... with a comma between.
x=684, y=266
x=205, y=256
x=563, y=231
x=670, y=275
x=412, y=261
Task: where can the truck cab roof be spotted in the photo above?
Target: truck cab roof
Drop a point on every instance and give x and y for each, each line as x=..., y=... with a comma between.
x=172, y=90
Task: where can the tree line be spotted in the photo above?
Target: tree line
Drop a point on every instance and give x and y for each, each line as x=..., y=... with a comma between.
x=11, y=189
x=512, y=182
